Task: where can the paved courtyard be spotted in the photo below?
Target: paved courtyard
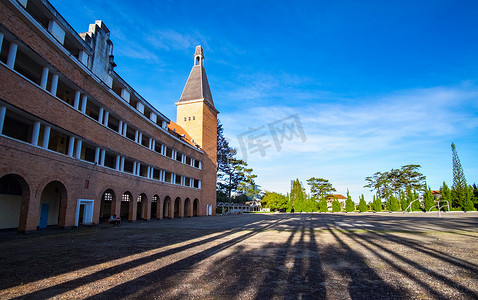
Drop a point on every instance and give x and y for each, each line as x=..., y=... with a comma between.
x=251, y=256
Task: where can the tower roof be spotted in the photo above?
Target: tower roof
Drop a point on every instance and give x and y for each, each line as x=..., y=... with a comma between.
x=197, y=86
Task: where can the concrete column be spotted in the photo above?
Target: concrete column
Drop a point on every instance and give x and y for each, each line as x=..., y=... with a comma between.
x=140, y=138
x=102, y=159
x=138, y=168
x=106, y=118
x=153, y=144
x=173, y=178
x=134, y=168
x=71, y=146
x=35, y=133
x=150, y=143
x=163, y=149
x=1, y=40
x=118, y=162
x=46, y=136
x=78, y=148
x=199, y=184
x=76, y=102
x=200, y=165
x=100, y=115
x=84, y=100
x=54, y=84
x=125, y=128
x=97, y=155
x=3, y=111
x=122, y=164
x=149, y=172
x=44, y=77
x=136, y=135
x=12, y=54
x=120, y=128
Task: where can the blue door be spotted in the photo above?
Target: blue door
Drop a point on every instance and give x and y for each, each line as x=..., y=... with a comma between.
x=44, y=215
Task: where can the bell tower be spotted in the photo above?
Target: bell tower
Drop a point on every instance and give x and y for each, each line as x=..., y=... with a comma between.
x=195, y=113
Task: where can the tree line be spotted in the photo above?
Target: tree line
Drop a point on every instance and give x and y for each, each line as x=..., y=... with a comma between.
x=398, y=189
x=395, y=190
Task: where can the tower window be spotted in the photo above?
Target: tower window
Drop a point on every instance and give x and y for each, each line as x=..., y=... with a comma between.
x=194, y=118
x=189, y=119
x=185, y=119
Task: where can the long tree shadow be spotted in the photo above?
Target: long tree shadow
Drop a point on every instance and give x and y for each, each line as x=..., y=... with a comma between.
x=139, y=245
x=364, y=282
x=147, y=286
x=398, y=257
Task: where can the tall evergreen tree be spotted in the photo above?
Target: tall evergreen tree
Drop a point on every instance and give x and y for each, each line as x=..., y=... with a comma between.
x=335, y=205
x=349, y=204
x=468, y=205
x=403, y=200
x=392, y=203
x=362, y=207
x=323, y=205
x=416, y=204
x=297, y=195
x=377, y=204
x=445, y=194
x=428, y=200
x=459, y=188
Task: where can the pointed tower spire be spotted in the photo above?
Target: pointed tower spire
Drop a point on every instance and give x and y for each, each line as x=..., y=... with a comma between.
x=197, y=86
x=196, y=114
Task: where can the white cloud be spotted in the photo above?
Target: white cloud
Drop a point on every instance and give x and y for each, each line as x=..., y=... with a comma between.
x=346, y=142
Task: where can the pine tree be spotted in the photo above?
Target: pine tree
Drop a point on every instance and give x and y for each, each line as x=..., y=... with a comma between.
x=392, y=203
x=362, y=207
x=468, y=205
x=403, y=200
x=416, y=204
x=459, y=188
x=377, y=204
x=336, y=205
x=349, y=204
x=445, y=194
x=428, y=200
x=323, y=205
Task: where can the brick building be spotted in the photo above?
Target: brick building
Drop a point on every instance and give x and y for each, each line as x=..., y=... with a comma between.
x=78, y=144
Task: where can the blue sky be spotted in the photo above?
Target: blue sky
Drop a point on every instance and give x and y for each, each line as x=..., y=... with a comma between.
x=373, y=85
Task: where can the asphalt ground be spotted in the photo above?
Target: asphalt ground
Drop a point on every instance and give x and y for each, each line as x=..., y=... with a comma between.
x=249, y=256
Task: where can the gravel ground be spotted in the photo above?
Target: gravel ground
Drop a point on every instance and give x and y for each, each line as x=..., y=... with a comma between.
x=253, y=256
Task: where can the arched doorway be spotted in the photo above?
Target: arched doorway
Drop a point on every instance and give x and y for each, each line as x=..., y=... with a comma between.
x=154, y=207
x=13, y=190
x=142, y=203
x=53, y=204
x=195, y=207
x=187, y=208
x=106, y=206
x=167, y=203
x=125, y=201
x=177, y=206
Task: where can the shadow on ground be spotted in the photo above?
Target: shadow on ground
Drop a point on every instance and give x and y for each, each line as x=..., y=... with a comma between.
x=289, y=256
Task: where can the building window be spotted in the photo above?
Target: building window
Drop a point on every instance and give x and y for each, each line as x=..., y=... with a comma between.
x=108, y=197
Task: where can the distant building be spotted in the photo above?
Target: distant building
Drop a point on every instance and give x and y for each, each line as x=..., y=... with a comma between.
x=436, y=194
x=339, y=197
x=78, y=144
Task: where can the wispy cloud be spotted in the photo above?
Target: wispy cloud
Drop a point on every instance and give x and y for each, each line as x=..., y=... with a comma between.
x=345, y=132
x=169, y=39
